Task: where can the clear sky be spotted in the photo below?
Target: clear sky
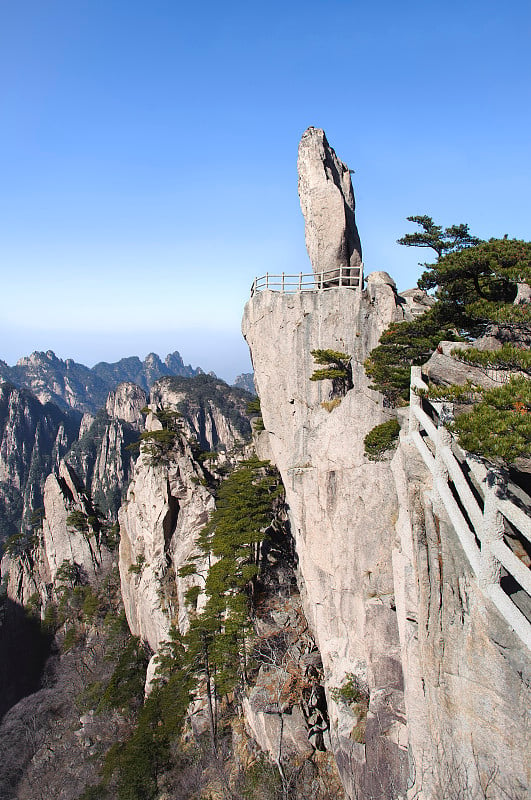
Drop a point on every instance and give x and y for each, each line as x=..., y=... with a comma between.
x=148, y=154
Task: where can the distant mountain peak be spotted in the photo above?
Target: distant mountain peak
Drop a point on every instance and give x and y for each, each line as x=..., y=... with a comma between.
x=72, y=385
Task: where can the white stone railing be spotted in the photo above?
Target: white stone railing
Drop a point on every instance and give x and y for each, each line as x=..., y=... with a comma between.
x=347, y=277
x=477, y=506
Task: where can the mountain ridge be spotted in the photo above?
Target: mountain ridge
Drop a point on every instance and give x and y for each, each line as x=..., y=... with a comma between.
x=69, y=384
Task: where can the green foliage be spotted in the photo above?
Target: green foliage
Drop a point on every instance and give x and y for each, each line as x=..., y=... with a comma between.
x=350, y=691
x=352, y=694
x=509, y=357
x=137, y=762
x=50, y=620
x=110, y=536
x=475, y=282
x=381, y=438
x=158, y=444
x=407, y=344
x=69, y=575
x=441, y=240
x=20, y=544
x=253, y=406
x=70, y=639
x=79, y=521
x=213, y=654
x=138, y=566
x=455, y=393
x=336, y=367
x=126, y=686
x=499, y=427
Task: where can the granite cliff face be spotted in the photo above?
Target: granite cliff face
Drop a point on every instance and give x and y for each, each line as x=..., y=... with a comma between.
x=342, y=510
x=383, y=580
x=168, y=500
x=441, y=683
x=33, y=439
x=31, y=568
x=101, y=457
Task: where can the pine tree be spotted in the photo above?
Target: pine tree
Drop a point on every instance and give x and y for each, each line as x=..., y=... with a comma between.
x=475, y=287
x=337, y=368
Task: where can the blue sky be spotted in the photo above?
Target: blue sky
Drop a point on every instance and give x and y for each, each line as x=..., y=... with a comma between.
x=148, y=154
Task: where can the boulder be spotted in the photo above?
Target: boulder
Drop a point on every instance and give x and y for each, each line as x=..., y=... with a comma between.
x=327, y=203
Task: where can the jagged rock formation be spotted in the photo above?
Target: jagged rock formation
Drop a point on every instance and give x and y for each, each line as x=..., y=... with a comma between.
x=72, y=385
x=383, y=582
x=327, y=203
x=33, y=439
x=101, y=458
x=31, y=571
x=65, y=383
x=166, y=508
x=144, y=373
x=245, y=381
x=215, y=412
x=168, y=502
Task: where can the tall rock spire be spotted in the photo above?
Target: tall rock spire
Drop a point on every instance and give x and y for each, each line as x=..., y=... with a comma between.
x=327, y=203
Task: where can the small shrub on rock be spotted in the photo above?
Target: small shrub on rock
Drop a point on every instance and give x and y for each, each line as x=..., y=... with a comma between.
x=381, y=438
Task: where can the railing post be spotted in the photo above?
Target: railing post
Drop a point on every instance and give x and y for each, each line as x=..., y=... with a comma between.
x=492, y=529
x=440, y=470
x=341, y=276
x=444, y=439
x=300, y=281
x=282, y=283
x=414, y=399
x=267, y=280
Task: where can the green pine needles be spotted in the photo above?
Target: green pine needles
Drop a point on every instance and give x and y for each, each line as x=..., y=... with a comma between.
x=336, y=368
x=476, y=284
x=381, y=438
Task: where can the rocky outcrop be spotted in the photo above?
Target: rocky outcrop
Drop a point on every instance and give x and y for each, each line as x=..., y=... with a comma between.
x=342, y=510
x=327, y=203
x=65, y=383
x=102, y=457
x=384, y=584
x=214, y=412
x=31, y=568
x=245, y=381
x=167, y=505
x=382, y=577
x=33, y=439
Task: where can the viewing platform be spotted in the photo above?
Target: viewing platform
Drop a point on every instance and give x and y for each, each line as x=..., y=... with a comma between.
x=339, y=277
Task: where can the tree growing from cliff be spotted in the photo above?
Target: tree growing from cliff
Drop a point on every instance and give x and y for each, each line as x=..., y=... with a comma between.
x=441, y=240
x=411, y=343
x=336, y=368
x=216, y=644
x=476, y=286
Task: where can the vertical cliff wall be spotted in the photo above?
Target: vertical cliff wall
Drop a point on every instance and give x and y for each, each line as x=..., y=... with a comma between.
x=342, y=508
x=443, y=684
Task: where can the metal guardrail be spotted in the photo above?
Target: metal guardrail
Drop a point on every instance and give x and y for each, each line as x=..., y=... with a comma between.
x=346, y=277
x=481, y=526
